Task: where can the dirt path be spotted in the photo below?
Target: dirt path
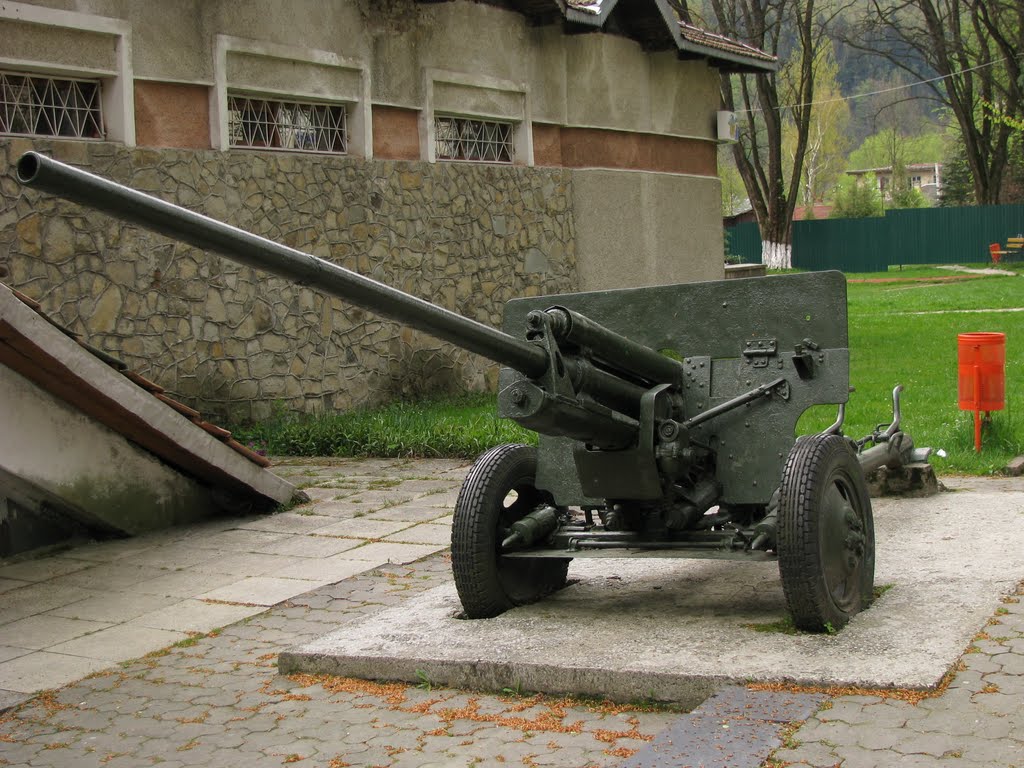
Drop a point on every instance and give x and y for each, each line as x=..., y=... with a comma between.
x=934, y=279
x=973, y=273
x=976, y=270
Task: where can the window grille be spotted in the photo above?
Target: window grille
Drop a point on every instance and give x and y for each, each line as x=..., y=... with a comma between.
x=287, y=125
x=48, y=106
x=463, y=138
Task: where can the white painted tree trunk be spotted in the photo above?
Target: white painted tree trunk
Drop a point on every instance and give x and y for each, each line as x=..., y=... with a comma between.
x=776, y=255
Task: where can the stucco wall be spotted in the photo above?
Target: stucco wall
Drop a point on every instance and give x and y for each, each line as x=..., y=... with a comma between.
x=651, y=235
x=233, y=342
x=589, y=80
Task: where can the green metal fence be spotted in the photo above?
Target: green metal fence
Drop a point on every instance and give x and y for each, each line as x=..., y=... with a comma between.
x=918, y=236
x=850, y=245
x=745, y=242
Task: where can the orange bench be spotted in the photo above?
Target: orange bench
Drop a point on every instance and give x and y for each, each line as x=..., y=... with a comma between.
x=1014, y=248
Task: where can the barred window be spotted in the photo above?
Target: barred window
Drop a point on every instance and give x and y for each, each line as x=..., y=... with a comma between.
x=463, y=138
x=32, y=105
x=294, y=126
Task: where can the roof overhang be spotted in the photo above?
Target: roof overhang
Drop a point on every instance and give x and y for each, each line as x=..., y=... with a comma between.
x=692, y=42
x=722, y=52
x=589, y=12
x=659, y=28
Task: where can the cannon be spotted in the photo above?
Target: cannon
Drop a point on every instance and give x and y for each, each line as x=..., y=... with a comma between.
x=666, y=419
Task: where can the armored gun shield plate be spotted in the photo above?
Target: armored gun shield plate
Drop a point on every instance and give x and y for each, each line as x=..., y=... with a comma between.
x=732, y=336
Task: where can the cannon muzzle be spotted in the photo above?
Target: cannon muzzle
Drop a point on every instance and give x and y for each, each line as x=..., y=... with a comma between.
x=45, y=173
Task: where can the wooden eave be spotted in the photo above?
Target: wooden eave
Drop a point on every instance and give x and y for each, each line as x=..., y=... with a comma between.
x=652, y=23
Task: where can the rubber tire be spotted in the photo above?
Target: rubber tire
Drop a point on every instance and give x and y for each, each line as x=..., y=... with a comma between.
x=488, y=585
x=822, y=479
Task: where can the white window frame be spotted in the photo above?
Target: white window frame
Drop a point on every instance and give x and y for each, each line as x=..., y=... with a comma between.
x=522, y=134
x=116, y=85
x=357, y=104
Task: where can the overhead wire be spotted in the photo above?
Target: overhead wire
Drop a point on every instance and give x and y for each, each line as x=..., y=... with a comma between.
x=886, y=90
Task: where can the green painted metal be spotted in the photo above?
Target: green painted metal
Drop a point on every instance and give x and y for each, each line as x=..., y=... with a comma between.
x=850, y=245
x=745, y=242
x=913, y=236
x=950, y=235
x=715, y=328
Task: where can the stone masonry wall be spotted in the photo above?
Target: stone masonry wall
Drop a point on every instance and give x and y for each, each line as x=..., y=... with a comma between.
x=237, y=344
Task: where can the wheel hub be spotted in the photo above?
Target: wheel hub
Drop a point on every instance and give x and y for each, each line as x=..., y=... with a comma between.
x=844, y=544
x=854, y=541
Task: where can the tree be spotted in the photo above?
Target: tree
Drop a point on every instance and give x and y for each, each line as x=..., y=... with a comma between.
x=827, y=141
x=893, y=147
x=734, y=194
x=904, y=194
x=957, y=183
x=974, y=46
x=1013, y=186
x=793, y=29
x=880, y=149
x=885, y=99
x=857, y=198
x=1013, y=189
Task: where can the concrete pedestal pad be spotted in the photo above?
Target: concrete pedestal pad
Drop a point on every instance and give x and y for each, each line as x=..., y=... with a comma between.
x=676, y=630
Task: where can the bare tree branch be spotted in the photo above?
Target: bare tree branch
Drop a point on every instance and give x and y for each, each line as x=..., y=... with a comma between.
x=976, y=47
x=794, y=28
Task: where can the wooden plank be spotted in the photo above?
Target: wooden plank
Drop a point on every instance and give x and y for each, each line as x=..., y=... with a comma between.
x=181, y=408
x=142, y=381
x=251, y=455
x=214, y=430
x=32, y=303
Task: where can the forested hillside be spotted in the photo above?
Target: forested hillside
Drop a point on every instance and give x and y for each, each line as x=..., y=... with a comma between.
x=891, y=83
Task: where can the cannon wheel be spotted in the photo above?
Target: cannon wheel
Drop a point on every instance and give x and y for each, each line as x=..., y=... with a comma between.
x=826, y=540
x=498, y=491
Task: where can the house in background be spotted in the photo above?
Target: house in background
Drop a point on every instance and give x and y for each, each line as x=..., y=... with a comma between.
x=809, y=212
x=743, y=215
x=926, y=177
x=466, y=152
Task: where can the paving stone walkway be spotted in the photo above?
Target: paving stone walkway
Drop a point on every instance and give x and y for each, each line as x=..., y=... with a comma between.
x=977, y=721
x=92, y=606
x=212, y=697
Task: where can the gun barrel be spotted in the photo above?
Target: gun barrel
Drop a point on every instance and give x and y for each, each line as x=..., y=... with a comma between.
x=624, y=354
x=45, y=173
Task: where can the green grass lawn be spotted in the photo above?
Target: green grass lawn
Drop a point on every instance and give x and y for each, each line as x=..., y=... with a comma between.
x=900, y=333
x=906, y=333
x=461, y=427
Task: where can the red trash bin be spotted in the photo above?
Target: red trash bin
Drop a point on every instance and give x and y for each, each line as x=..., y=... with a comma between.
x=981, y=375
